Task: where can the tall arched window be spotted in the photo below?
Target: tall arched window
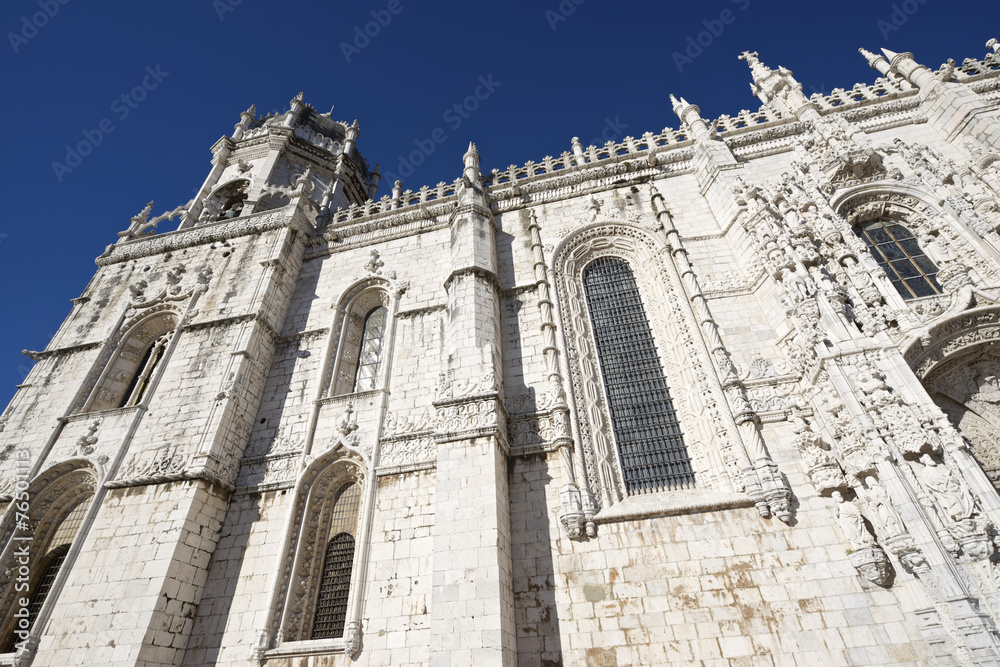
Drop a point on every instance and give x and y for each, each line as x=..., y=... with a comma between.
x=895, y=249
x=370, y=356
x=128, y=374
x=335, y=582
x=649, y=438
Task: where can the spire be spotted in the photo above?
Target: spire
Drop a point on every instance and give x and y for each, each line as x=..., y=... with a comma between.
x=471, y=159
x=776, y=87
x=690, y=115
x=758, y=70
x=677, y=104
x=295, y=107
x=911, y=70
x=247, y=119
x=875, y=61
x=351, y=136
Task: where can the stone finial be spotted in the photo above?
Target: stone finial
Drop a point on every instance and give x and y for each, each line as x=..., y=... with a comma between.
x=578, y=153
x=875, y=61
x=471, y=159
x=397, y=190
x=690, y=116
x=351, y=136
x=247, y=119
x=295, y=106
x=758, y=69
x=911, y=70
x=677, y=104
x=993, y=44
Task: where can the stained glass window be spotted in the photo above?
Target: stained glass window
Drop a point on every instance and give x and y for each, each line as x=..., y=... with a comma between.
x=911, y=272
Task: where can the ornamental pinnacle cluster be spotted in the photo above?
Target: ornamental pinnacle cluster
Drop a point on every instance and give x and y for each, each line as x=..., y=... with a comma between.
x=725, y=394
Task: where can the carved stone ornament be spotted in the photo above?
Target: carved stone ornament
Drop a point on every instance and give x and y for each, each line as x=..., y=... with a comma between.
x=872, y=564
x=702, y=409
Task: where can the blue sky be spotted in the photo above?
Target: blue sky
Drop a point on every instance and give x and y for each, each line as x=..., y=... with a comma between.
x=545, y=71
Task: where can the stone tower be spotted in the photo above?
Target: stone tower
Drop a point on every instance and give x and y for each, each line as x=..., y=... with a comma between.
x=719, y=394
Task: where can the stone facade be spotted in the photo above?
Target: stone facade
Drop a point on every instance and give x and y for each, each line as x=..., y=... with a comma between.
x=174, y=469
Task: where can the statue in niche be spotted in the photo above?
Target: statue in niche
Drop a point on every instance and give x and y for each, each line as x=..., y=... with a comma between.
x=878, y=499
x=954, y=499
x=937, y=251
x=987, y=386
x=852, y=522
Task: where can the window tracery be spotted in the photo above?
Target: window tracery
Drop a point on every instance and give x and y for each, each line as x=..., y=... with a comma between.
x=335, y=582
x=363, y=322
x=320, y=592
x=897, y=251
x=126, y=379
x=698, y=400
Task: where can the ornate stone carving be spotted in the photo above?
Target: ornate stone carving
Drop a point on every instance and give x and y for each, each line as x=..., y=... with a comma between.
x=407, y=451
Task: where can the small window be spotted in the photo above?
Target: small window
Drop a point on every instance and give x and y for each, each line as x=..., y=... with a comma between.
x=370, y=356
x=895, y=249
x=646, y=429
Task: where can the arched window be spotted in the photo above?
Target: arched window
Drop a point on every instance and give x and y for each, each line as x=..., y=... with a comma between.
x=370, y=355
x=895, y=249
x=127, y=377
x=645, y=426
x=140, y=381
x=363, y=322
x=44, y=567
x=335, y=582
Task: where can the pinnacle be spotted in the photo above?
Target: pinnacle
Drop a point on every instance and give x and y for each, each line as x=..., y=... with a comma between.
x=889, y=54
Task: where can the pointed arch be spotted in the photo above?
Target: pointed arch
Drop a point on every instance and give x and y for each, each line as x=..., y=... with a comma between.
x=56, y=503
x=319, y=592
x=126, y=377
x=701, y=409
x=361, y=337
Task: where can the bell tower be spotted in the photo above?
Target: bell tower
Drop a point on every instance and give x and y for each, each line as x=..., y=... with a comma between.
x=147, y=394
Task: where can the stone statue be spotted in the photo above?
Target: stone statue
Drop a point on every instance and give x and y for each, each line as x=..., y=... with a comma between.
x=953, y=498
x=852, y=522
x=885, y=514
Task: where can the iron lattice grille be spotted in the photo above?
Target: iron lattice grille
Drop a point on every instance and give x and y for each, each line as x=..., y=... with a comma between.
x=335, y=584
x=370, y=354
x=911, y=272
x=55, y=560
x=650, y=441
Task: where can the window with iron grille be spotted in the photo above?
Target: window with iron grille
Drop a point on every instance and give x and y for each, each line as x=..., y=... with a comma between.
x=50, y=564
x=911, y=272
x=649, y=437
x=370, y=355
x=335, y=583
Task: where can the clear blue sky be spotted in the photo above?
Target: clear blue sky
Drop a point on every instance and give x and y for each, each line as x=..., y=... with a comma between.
x=559, y=69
